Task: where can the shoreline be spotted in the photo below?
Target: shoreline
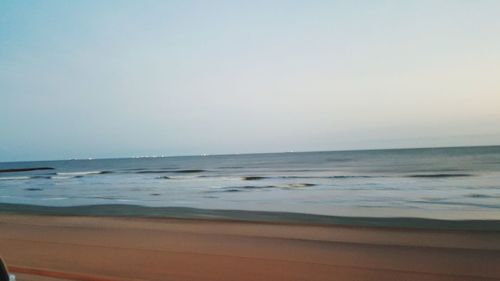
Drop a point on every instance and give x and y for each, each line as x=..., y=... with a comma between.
x=241, y=216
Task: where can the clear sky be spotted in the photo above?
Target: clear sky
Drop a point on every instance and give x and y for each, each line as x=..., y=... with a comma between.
x=85, y=79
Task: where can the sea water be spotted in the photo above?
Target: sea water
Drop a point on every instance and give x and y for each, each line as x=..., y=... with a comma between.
x=442, y=183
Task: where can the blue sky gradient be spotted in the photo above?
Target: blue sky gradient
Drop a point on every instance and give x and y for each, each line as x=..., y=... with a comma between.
x=85, y=79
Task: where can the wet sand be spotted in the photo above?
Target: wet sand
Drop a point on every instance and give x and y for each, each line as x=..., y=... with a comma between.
x=109, y=249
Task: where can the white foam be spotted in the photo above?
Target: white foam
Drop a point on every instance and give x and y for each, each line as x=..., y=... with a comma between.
x=72, y=174
x=15, y=178
x=61, y=177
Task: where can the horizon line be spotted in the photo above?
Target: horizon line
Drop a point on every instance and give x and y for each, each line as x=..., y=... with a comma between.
x=250, y=153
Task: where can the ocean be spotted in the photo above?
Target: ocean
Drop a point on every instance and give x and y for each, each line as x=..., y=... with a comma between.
x=461, y=183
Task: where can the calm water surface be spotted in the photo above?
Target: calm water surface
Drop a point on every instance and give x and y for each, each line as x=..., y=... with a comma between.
x=447, y=183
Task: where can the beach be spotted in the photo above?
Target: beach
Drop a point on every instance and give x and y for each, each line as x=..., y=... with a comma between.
x=249, y=140
x=39, y=248
x=402, y=215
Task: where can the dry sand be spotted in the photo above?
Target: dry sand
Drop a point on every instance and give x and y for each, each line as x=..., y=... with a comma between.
x=45, y=248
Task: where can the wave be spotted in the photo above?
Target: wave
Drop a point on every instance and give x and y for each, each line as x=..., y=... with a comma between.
x=430, y=170
x=27, y=177
x=301, y=184
x=253, y=178
x=15, y=178
x=59, y=175
x=466, y=204
x=41, y=177
x=16, y=170
x=105, y=197
x=82, y=173
x=338, y=159
x=478, y=195
x=33, y=189
x=55, y=198
x=64, y=177
x=260, y=187
x=245, y=188
x=306, y=177
x=438, y=175
x=352, y=177
x=189, y=171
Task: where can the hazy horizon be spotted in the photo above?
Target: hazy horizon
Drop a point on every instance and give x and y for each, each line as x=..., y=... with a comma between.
x=112, y=79
x=255, y=153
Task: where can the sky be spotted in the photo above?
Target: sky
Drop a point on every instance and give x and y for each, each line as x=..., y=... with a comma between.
x=98, y=79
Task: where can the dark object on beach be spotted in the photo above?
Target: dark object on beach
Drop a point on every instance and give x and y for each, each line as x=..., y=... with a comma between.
x=4, y=274
x=25, y=169
x=252, y=178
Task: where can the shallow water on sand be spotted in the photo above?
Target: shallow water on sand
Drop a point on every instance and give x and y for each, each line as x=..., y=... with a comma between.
x=446, y=183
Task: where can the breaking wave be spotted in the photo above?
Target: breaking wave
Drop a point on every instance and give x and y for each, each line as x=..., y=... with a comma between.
x=439, y=175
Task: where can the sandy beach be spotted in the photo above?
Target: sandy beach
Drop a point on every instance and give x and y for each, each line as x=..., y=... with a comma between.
x=39, y=248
